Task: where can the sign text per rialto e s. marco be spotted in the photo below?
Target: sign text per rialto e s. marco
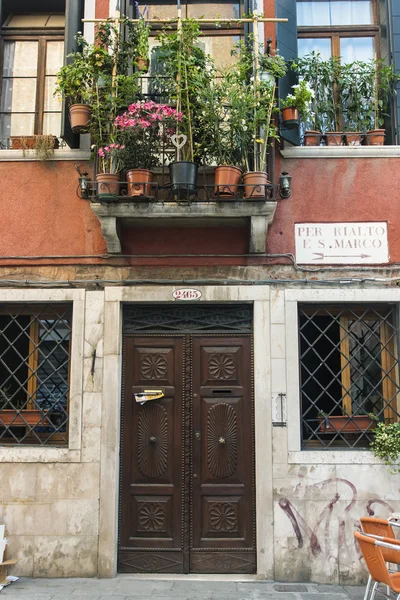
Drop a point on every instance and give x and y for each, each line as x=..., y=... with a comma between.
x=342, y=243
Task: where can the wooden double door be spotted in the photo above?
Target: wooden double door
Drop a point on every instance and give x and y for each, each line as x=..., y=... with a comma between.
x=187, y=489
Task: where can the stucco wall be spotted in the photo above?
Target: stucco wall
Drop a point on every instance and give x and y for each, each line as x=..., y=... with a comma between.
x=41, y=214
x=60, y=506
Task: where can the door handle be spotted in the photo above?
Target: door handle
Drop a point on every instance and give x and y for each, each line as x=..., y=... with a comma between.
x=152, y=439
x=197, y=435
x=222, y=440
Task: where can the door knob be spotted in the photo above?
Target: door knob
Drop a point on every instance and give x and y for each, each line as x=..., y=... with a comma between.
x=197, y=435
x=152, y=439
x=221, y=440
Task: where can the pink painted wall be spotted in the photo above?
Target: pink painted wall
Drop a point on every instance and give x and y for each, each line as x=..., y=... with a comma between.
x=41, y=214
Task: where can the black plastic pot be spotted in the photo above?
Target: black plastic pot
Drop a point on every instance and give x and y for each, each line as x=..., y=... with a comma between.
x=183, y=176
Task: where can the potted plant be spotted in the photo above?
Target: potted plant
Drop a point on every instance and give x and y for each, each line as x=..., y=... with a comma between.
x=142, y=41
x=263, y=132
x=188, y=71
x=110, y=163
x=75, y=81
x=297, y=104
x=345, y=423
x=14, y=411
x=386, y=444
x=325, y=111
x=271, y=65
x=44, y=145
x=356, y=90
x=144, y=128
x=220, y=122
x=383, y=78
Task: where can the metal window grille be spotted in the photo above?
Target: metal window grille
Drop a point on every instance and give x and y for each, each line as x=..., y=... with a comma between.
x=349, y=373
x=34, y=373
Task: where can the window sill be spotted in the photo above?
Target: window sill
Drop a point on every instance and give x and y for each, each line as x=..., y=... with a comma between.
x=341, y=151
x=333, y=457
x=30, y=155
x=38, y=454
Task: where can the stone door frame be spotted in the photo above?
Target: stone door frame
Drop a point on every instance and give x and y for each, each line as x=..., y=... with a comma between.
x=111, y=410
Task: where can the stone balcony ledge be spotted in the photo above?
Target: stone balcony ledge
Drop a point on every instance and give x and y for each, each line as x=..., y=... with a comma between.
x=260, y=214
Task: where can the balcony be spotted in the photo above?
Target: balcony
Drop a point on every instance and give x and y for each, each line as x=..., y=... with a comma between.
x=160, y=201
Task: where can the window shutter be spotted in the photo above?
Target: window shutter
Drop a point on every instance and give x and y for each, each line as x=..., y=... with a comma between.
x=286, y=42
x=73, y=23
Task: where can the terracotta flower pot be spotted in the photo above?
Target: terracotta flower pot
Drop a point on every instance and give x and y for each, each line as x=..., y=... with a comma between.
x=227, y=179
x=290, y=117
x=137, y=177
x=255, y=184
x=334, y=138
x=79, y=115
x=353, y=138
x=312, y=138
x=108, y=185
x=333, y=424
x=143, y=64
x=22, y=418
x=376, y=137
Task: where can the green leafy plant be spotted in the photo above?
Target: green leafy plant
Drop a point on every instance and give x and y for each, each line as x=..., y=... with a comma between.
x=184, y=80
x=75, y=80
x=386, y=445
x=114, y=89
x=301, y=99
x=143, y=32
x=323, y=78
x=273, y=63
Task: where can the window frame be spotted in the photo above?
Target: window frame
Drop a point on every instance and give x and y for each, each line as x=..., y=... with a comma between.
x=336, y=32
x=42, y=40
x=73, y=452
x=389, y=392
x=324, y=297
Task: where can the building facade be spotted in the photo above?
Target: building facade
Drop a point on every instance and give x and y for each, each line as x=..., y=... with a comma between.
x=257, y=322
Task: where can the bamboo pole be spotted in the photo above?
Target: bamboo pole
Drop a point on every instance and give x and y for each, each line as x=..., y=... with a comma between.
x=256, y=80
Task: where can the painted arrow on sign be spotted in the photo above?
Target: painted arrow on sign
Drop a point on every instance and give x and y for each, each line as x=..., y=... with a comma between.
x=321, y=256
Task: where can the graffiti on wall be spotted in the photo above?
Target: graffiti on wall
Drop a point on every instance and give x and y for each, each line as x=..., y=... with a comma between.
x=317, y=533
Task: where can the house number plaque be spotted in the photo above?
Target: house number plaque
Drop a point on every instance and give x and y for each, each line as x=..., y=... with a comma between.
x=187, y=294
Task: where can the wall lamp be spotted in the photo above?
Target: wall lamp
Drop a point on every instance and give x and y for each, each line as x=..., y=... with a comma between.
x=84, y=184
x=285, y=185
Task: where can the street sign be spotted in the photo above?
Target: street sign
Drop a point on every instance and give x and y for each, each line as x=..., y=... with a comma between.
x=341, y=243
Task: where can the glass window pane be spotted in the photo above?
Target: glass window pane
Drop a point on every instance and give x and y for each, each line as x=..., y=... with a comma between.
x=219, y=47
x=52, y=123
x=51, y=102
x=19, y=95
x=358, y=48
x=20, y=59
x=22, y=124
x=54, y=57
x=334, y=12
x=222, y=10
x=308, y=45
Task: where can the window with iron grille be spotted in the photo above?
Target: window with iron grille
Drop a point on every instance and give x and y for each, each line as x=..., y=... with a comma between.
x=348, y=372
x=34, y=373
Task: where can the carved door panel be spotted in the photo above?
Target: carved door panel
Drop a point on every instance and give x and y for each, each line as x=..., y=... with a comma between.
x=150, y=528
x=223, y=527
x=187, y=460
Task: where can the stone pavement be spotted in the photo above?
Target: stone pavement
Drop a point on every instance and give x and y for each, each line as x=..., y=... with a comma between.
x=126, y=587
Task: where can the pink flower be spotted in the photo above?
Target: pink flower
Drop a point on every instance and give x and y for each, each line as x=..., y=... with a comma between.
x=100, y=152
